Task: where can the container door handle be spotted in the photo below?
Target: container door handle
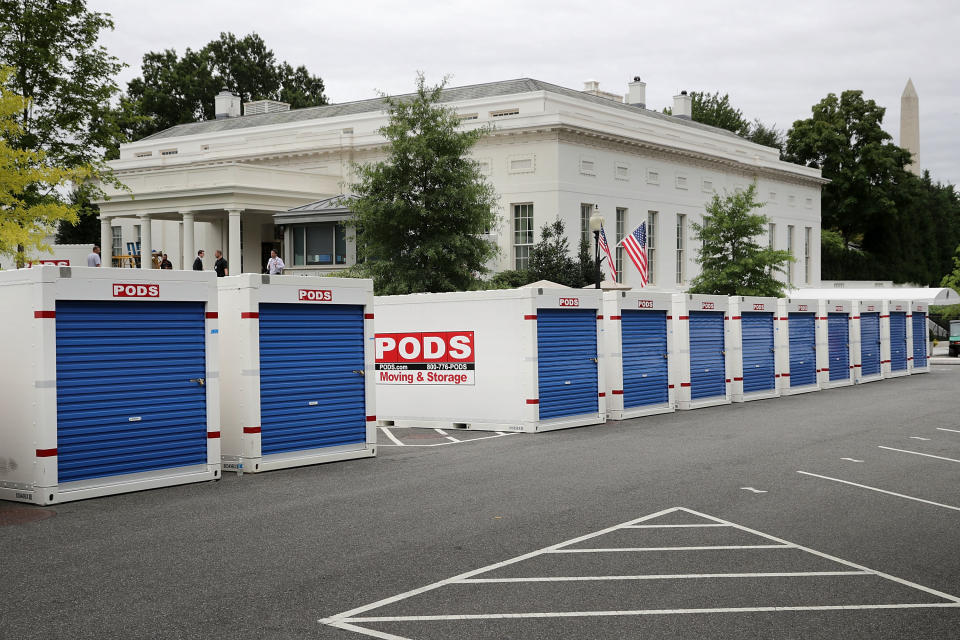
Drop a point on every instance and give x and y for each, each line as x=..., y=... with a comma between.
x=594, y=360
x=359, y=372
x=199, y=381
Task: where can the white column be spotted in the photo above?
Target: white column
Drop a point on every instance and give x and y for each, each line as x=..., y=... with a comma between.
x=233, y=251
x=146, y=242
x=189, y=251
x=106, y=242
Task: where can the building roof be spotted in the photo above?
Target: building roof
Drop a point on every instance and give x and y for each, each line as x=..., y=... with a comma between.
x=452, y=94
x=327, y=205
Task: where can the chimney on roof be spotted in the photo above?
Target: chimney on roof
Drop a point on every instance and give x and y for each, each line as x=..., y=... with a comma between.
x=683, y=106
x=226, y=105
x=637, y=93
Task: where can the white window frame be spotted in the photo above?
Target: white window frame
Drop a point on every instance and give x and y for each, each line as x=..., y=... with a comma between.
x=790, y=250
x=681, y=249
x=521, y=250
x=807, y=239
x=586, y=210
x=651, y=247
x=618, y=250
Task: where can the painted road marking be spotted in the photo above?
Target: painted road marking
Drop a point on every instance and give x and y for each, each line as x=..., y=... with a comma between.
x=391, y=436
x=673, y=526
x=446, y=435
x=451, y=440
x=719, y=547
x=950, y=430
x=891, y=493
x=851, y=459
x=753, y=490
x=919, y=438
x=917, y=453
x=352, y=619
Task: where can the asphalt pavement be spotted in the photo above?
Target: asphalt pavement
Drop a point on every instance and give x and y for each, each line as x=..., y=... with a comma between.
x=822, y=515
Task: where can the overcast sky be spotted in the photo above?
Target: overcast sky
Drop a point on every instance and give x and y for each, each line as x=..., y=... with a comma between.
x=775, y=59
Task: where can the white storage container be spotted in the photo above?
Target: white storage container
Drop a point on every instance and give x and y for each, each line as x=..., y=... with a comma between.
x=637, y=350
x=110, y=381
x=919, y=342
x=836, y=356
x=297, y=366
x=867, y=342
x=799, y=370
x=895, y=336
x=700, y=350
x=510, y=360
x=753, y=348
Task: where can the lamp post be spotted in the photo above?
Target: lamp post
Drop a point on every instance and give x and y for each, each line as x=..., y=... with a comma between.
x=596, y=223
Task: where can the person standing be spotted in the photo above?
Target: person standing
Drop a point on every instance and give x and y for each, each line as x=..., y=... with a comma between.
x=93, y=260
x=165, y=263
x=275, y=264
x=220, y=266
x=198, y=263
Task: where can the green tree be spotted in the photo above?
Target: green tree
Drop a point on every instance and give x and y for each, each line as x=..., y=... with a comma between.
x=86, y=229
x=717, y=111
x=29, y=207
x=424, y=210
x=550, y=258
x=732, y=262
x=767, y=136
x=952, y=279
x=67, y=78
x=176, y=89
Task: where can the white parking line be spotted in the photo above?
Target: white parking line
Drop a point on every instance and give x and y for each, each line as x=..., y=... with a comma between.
x=851, y=460
x=891, y=493
x=667, y=576
x=391, y=436
x=349, y=619
x=950, y=430
x=701, y=548
x=445, y=434
x=919, y=438
x=674, y=526
x=398, y=443
x=917, y=453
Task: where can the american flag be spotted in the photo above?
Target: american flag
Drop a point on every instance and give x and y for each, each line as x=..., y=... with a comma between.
x=606, y=249
x=635, y=245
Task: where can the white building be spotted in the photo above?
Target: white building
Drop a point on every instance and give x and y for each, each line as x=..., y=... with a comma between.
x=554, y=152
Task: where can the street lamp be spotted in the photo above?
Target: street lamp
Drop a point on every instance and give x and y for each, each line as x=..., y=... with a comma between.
x=596, y=223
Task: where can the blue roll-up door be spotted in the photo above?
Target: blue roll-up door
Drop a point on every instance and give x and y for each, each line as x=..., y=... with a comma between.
x=125, y=400
x=707, y=360
x=838, y=341
x=803, y=348
x=644, y=346
x=869, y=344
x=919, y=339
x=312, y=391
x=759, y=368
x=898, y=341
x=567, y=362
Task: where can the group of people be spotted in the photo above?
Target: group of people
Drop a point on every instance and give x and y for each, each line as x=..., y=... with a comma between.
x=275, y=265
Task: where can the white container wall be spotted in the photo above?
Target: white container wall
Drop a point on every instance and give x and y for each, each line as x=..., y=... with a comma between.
x=511, y=360
x=297, y=366
x=701, y=357
x=919, y=342
x=835, y=343
x=895, y=335
x=799, y=369
x=867, y=343
x=637, y=349
x=753, y=348
x=116, y=384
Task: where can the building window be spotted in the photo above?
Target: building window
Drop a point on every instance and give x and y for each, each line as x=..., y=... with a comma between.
x=521, y=164
x=586, y=210
x=807, y=233
x=116, y=248
x=772, y=235
x=681, y=248
x=790, y=250
x=319, y=244
x=504, y=112
x=522, y=235
x=651, y=247
x=621, y=228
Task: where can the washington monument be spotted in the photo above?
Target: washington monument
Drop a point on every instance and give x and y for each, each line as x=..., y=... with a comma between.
x=910, y=125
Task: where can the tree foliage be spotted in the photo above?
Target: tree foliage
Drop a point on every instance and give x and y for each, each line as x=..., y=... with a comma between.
x=892, y=224
x=175, y=89
x=732, y=262
x=29, y=206
x=952, y=279
x=717, y=111
x=550, y=258
x=426, y=209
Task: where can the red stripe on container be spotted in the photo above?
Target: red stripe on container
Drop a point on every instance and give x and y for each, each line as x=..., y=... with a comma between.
x=785, y=375
x=599, y=317
x=601, y=394
x=669, y=386
x=821, y=317
x=910, y=358
x=213, y=435
x=684, y=317
x=614, y=317
x=44, y=314
x=736, y=318
x=533, y=400
x=249, y=315
x=776, y=375
x=854, y=317
x=251, y=429
x=46, y=453
x=368, y=316
x=211, y=315
x=738, y=379
x=669, y=317
x=371, y=418
x=824, y=369
x=530, y=317
x=884, y=316
x=857, y=366
x=728, y=380
x=909, y=315
x=617, y=392
x=684, y=384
